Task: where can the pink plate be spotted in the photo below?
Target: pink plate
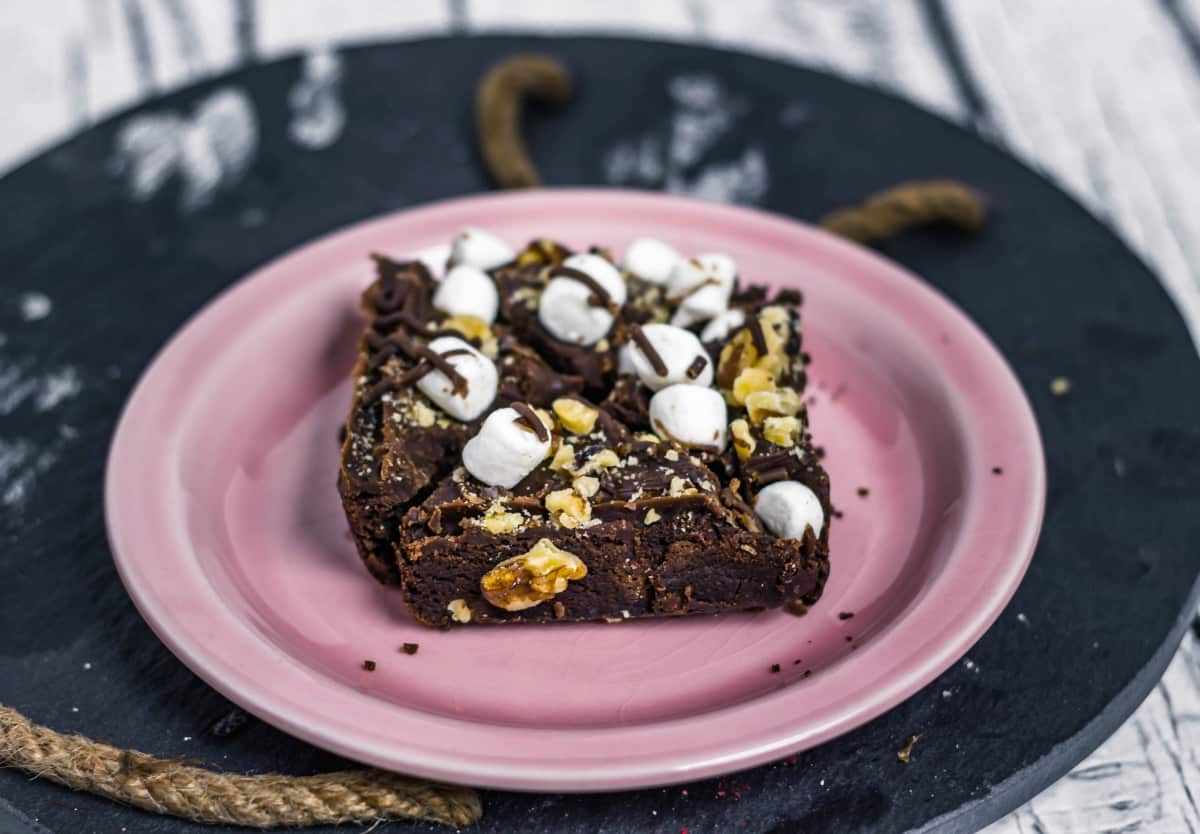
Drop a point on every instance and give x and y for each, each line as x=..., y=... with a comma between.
x=227, y=530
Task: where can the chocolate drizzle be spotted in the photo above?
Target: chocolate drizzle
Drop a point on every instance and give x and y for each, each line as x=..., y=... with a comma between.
x=529, y=419
x=384, y=348
x=599, y=296
x=756, y=334
x=652, y=356
x=697, y=366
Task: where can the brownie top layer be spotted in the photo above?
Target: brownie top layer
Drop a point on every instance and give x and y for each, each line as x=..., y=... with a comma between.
x=549, y=388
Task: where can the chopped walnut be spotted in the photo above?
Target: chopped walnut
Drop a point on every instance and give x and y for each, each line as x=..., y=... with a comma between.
x=671, y=455
x=680, y=486
x=652, y=516
x=749, y=381
x=604, y=459
x=568, y=509
x=782, y=431
x=576, y=417
x=586, y=485
x=474, y=328
x=531, y=578
x=743, y=441
x=564, y=458
x=499, y=520
x=423, y=414
x=460, y=612
x=782, y=402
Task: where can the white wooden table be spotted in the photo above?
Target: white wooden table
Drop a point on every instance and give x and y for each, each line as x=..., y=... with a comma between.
x=1102, y=96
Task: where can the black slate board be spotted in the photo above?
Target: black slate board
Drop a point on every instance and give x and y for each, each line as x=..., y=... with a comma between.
x=1104, y=605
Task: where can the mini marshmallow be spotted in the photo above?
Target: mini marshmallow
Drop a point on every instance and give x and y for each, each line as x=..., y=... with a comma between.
x=565, y=309
x=503, y=453
x=788, y=508
x=705, y=282
x=480, y=249
x=477, y=369
x=678, y=348
x=467, y=291
x=625, y=363
x=651, y=259
x=719, y=328
x=689, y=415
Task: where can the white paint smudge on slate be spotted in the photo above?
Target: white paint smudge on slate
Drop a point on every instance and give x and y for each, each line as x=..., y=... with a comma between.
x=674, y=158
x=35, y=306
x=318, y=115
x=209, y=152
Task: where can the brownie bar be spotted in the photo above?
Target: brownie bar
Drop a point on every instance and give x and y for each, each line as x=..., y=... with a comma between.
x=618, y=517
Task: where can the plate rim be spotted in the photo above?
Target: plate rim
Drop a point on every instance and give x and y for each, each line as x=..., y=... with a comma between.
x=551, y=776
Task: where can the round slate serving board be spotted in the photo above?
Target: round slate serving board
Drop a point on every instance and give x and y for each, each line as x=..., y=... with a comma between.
x=1101, y=611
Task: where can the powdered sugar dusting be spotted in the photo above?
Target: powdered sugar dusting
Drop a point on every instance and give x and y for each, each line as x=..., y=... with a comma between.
x=35, y=306
x=676, y=157
x=209, y=151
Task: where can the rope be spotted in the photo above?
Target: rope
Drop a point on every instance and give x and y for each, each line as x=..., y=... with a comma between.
x=498, y=101
x=170, y=786
x=907, y=206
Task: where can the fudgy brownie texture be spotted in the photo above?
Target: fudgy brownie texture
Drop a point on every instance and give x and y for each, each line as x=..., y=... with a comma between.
x=618, y=521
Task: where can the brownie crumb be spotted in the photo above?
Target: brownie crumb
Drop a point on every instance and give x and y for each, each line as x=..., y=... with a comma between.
x=774, y=667
x=863, y=492
x=797, y=662
x=997, y=470
x=846, y=615
x=369, y=665
x=838, y=514
x=807, y=672
x=904, y=754
x=819, y=451
x=560, y=610
x=849, y=638
x=795, y=607
x=410, y=648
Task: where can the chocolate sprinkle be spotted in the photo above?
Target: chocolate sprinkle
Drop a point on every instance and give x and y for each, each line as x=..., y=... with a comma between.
x=530, y=419
x=410, y=648
x=779, y=473
x=599, y=296
x=639, y=337
x=756, y=334
x=697, y=366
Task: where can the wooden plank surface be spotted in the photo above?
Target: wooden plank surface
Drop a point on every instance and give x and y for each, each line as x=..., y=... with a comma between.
x=1106, y=102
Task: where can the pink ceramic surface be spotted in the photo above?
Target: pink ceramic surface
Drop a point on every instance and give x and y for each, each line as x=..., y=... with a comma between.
x=226, y=526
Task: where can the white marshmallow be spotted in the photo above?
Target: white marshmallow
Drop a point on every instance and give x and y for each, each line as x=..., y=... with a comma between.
x=678, y=348
x=480, y=249
x=787, y=508
x=689, y=415
x=650, y=259
x=625, y=363
x=565, y=310
x=720, y=327
x=467, y=291
x=702, y=301
x=503, y=453
x=477, y=369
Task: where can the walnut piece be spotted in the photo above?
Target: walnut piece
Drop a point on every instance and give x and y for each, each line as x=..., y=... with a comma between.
x=564, y=458
x=782, y=431
x=568, y=508
x=460, y=612
x=652, y=516
x=532, y=578
x=743, y=441
x=499, y=520
x=782, y=402
x=474, y=328
x=575, y=416
x=749, y=381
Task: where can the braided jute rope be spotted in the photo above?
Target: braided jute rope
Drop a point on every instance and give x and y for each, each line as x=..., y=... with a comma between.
x=169, y=786
x=907, y=206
